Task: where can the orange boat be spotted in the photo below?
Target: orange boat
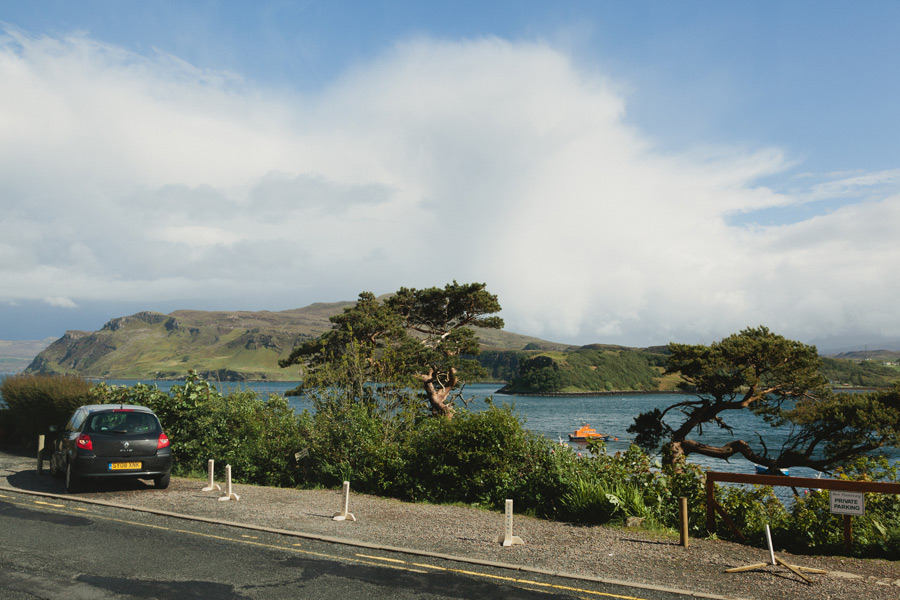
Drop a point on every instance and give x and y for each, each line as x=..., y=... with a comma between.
x=587, y=433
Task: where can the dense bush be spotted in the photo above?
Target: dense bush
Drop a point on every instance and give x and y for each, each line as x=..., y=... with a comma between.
x=616, y=487
x=477, y=458
x=35, y=402
x=257, y=436
x=750, y=508
x=805, y=524
x=350, y=441
x=812, y=527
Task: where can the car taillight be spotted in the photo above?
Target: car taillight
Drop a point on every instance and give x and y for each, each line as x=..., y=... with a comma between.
x=84, y=442
x=162, y=442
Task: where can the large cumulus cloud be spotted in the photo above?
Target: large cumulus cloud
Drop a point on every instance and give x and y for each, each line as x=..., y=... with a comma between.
x=141, y=177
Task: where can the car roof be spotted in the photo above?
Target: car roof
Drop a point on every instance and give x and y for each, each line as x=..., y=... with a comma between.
x=92, y=408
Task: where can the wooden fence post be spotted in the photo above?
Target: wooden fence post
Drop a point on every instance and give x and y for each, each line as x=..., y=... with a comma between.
x=684, y=520
x=848, y=533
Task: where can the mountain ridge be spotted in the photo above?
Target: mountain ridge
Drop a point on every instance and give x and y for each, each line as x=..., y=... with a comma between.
x=220, y=345
x=247, y=345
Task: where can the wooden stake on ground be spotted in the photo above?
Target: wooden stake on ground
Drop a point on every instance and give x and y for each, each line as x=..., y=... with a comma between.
x=796, y=570
x=747, y=568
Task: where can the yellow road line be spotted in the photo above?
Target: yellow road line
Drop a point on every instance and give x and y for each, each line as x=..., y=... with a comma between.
x=394, y=560
x=509, y=579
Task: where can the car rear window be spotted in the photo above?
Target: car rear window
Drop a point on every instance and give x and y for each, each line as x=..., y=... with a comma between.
x=122, y=422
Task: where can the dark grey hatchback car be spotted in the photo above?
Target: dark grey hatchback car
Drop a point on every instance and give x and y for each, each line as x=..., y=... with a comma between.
x=112, y=441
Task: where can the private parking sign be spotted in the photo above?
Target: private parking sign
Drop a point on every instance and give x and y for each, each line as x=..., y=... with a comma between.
x=847, y=503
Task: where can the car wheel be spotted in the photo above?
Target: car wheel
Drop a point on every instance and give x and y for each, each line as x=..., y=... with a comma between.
x=73, y=484
x=162, y=482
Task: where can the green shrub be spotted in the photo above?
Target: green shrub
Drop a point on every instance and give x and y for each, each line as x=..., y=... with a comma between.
x=601, y=501
x=812, y=527
x=548, y=470
x=750, y=509
x=258, y=437
x=806, y=525
x=348, y=443
x=476, y=457
x=35, y=402
x=614, y=487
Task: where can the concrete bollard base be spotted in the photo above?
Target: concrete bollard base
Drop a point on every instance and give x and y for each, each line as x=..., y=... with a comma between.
x=507, y=538
x=229, y=495
x=211, y=486
x=345, y=515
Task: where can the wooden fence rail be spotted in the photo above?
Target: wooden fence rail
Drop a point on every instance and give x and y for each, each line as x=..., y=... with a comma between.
x=713, y=507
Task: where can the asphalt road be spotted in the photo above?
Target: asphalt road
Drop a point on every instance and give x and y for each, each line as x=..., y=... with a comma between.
x=55, y=549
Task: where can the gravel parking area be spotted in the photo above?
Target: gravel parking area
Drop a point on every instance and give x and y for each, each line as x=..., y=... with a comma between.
x=611, y=553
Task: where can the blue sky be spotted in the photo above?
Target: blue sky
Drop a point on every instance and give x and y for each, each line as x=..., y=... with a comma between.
x=618, y=172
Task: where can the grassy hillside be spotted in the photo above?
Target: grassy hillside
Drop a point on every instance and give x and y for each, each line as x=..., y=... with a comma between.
x=594, y=368
x=859, y=373
x=599, y=368
x=224, y=346
x=227, y=346
x=877, y=356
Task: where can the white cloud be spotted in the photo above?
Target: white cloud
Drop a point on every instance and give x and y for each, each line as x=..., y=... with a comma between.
x=856, y=185
x=60, y=302
x=129, y=177
x=196, y=236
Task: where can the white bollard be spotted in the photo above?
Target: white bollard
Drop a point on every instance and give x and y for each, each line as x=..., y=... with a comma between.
x=212, y=486
x=507, y=538
x=40, y=458
x=345, y=515
x=769, y=540
x=229, y=495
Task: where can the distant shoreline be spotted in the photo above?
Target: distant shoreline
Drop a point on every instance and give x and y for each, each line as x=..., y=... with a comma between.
x=651, y=392
x=597, y=393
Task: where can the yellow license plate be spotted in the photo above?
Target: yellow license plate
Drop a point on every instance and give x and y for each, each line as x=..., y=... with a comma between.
x=124, y=466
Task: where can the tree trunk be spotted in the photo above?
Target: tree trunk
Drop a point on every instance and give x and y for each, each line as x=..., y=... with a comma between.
x=437, y=396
